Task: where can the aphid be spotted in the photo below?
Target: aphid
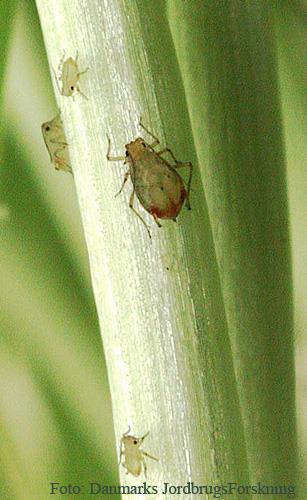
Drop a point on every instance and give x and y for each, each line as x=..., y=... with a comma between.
x=69, y=75
x=156, y=183
x=134, y=456
x=55, y=140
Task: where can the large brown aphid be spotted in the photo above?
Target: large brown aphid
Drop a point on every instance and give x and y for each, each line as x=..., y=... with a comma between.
x=156, y=183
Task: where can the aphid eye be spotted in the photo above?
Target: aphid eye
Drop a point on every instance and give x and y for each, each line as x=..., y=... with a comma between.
x=72, y=88
x=135, y=442
x=127, y=154
x=47, y=129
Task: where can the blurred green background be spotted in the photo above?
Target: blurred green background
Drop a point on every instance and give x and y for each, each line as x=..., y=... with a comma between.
x=55, y=410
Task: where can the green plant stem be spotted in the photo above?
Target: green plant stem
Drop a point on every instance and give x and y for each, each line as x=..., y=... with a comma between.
x=227, y=59
x=159, y=303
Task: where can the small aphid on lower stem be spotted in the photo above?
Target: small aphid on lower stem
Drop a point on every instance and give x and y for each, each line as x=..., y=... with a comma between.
x=69, y=76
x=156, y=183
x=134, y=456
x=55, y=140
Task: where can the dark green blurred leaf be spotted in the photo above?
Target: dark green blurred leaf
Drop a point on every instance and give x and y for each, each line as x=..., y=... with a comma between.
x=39, y=272
x=8, y=8
x=228, y=62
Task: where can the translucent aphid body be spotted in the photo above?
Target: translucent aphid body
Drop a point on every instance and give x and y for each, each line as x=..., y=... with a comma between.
x=133, y=455
x=55, y=140
x=69, y=76
x=156, y=183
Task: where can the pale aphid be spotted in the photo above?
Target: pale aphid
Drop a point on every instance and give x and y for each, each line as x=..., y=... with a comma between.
x=55, y=140
x=134, y=456
x=156, y=183
x=69, y=76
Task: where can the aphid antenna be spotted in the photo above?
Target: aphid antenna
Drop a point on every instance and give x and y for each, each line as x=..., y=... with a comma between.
x=145, y=435
x=123, y=184
x=127, y=432
x=113, y=158
x=156, y=140
x=121, y=444
x=78, y=89
x=80, y=72
x=62, y=60
x=83, y=71
x=56, y=80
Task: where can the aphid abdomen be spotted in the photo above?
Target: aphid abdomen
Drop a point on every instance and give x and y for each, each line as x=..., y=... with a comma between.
x=159, y=188
x=55, y=140
x=69, y=76
x=133, y=464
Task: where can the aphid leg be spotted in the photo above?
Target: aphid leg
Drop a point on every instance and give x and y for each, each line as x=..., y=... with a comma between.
x=80, y=73
x=84, y=70
x=168, y=150
x=156, y=220
x=61, y=61
x=125, y=467
x=124, y=182
x=61, y=162
x=149, y=456
x=61, y=148
x=145, y=468
x=67, y=169
x=56, y=155
x=120, y=451
x=120, y=457
x=64, y=144
x=137, y=214
x=156, y=140
x=179, y=164
x=121, y=447
x=58, y=159
x=80, y=92
x=113, y=158
x=188, y=164
x=56, y=80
